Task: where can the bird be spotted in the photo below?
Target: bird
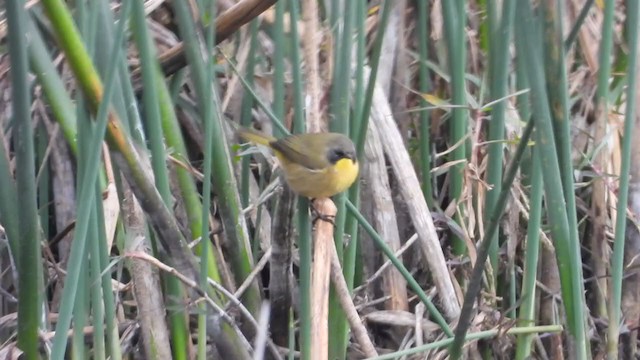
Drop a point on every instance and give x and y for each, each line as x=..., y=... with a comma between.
x=316, y=165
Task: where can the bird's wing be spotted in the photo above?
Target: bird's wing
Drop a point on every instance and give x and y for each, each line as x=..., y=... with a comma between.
x=290, y=148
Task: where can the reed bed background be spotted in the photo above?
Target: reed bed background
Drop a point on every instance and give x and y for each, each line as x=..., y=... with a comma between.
x=494, y=216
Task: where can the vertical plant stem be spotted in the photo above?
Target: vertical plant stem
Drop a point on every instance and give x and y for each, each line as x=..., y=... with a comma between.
x=150, y=100
x=498, y=75
x=97, y=305
x=424, y=86
x=617, y=263
x=374, y=60
x=454, y=23
x=340, y=111
x=209, y=114
x=113, y=340
x=245, y=113
x=29, y=293
x=278, y=65
x=304, y=247
x=526, y=315
x=599, y=243
x=302, y=220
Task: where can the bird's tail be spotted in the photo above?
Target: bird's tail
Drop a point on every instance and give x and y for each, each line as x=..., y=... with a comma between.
x=254, y=136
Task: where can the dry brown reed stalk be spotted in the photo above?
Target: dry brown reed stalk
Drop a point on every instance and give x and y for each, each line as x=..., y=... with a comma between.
x=409, y=186
x=323, y=242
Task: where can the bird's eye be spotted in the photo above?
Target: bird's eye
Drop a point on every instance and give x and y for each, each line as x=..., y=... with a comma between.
x=335, y=155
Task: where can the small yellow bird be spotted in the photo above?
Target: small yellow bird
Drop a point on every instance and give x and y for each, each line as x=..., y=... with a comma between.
x=317, y=165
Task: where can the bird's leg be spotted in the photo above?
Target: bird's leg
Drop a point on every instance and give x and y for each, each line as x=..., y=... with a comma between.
x=319, y=216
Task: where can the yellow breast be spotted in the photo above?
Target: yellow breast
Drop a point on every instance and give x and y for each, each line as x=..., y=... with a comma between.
x=345, y=172
x=321, y=183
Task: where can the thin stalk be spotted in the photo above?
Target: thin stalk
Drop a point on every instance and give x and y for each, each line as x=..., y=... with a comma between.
x=361, y=54
x=498, y=76
x=526, y=315
x=292, y=336
x=334, y=19
x=245, y=112
x=340, y=90
x=130, y=118
x=454, y=24
x=103, y=27
x=576, y=27
x=617, y=261
x=82, y=305
x=151, y=103
x=29, y=293
x=425, y=114
x=113, y=339
x=306, y=255
x=43, y=178
x=80, y=314
x=340, y=110
x=177, y=319
x=488, y=24
x=298, y=85
x=303, y=220
x=599, y=197
x=57, y=97
x=374, y=59
x=350, y=260
x=9, y=202
x=208, y=118
x=95, y=290
x=352, y=264
x=350, y=255
x=278, y=63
